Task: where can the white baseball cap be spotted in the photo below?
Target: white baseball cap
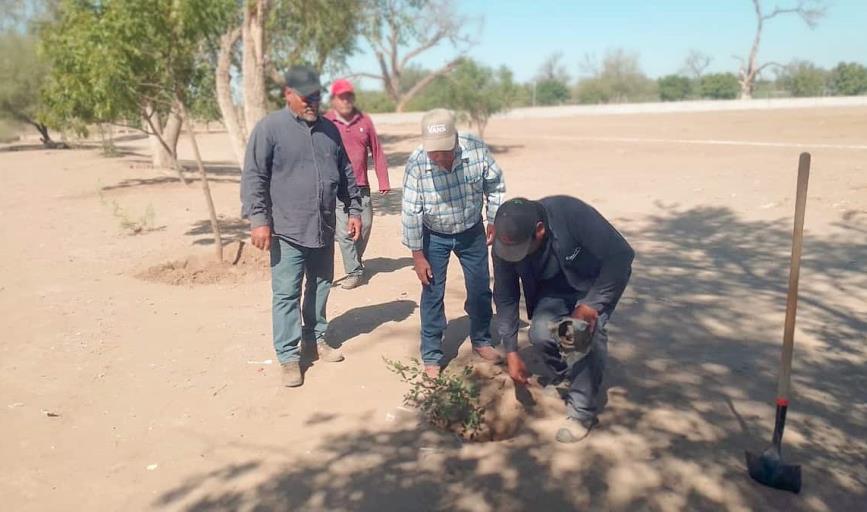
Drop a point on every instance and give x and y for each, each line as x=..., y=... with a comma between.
x=438, y=130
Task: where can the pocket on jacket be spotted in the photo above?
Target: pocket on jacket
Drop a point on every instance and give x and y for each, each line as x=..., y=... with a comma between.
x=473, y=188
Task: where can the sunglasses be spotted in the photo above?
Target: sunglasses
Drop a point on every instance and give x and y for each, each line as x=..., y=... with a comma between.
x=315, y=97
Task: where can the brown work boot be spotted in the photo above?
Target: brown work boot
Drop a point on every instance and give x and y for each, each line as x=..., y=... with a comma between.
x=432, y=370
x=291, y=374
x=327, y=353
x=488, y=353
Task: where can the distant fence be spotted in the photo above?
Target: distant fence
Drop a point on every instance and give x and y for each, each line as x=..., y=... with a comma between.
x=650, y=108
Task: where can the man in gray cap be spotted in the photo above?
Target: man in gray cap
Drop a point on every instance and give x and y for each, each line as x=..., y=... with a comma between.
x=447, y=181
x=294, y=171
x=573, y=266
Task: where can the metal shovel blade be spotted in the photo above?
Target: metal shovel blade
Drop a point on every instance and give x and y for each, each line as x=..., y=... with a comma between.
x=768, y=469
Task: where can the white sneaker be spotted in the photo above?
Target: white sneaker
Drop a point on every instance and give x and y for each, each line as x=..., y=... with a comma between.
x=573, y=430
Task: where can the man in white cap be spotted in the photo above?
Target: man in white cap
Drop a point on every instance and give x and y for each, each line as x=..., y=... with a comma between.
x=447, y=181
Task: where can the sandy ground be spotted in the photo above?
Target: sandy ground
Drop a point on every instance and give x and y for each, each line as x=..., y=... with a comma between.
x=122, y=394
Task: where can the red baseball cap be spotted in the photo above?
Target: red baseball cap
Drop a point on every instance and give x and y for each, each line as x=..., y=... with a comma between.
x=341, y=86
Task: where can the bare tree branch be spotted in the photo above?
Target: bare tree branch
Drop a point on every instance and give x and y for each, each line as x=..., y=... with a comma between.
x=427, y=45
x=810, y=11
x=765, y=65
x=696, y=63
x=424, y=82
x=416, y=27
x=372, y=76
x=131, y=127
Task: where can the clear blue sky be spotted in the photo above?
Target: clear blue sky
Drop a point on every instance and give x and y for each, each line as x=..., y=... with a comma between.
x=521, y=34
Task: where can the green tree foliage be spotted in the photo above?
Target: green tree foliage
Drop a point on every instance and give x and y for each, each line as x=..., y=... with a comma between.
x=321, y=33
x=551, y=82
x=802, y=79
x=373, y=101
x=719, y=86
x=434, y=95
x=479, y=92
x=472, y=89
x=123, y=59
x=674, y=88
x=201, y=94
x=551, y=91
x=618, y=80
x=848, y=79
x=22, y=74
x=113, y=60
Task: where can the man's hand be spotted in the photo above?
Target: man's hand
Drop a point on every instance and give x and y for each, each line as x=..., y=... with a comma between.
x=353, y=228
x=490, y=233
x=517, y=369
x=422, y=268
x=261, y=237
x=384, y=191
x=588, y=314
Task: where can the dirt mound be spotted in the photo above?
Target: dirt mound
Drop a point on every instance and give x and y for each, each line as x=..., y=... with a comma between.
x=505, y=407
x=242, y=263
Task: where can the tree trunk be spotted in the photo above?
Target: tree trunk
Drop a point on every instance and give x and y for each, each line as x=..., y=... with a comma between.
x=481, y=124
x=163, y=157
x=152, y=121
x=748, y=75
x=206, y=189
x=746, y=90
x=172, y=132
x=44, y=136
x=237, y=136
x=253, y=62
x=160, y=158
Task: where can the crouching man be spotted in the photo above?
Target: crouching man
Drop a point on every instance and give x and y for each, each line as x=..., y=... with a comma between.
x=572, y=264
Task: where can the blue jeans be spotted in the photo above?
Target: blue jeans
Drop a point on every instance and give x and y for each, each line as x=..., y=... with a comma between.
x=290, y=263
x=472, y=252
x=585, y=376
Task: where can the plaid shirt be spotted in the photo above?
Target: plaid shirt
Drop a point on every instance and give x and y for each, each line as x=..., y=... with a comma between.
x=449, y=202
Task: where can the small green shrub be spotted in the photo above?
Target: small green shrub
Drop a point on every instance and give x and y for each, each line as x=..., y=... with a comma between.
x=674, y=88
x=719, y=86
x=449, y=402
x=128, y=222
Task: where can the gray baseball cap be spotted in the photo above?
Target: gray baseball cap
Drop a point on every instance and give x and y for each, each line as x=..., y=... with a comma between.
x=303, y=79
x=438, y=130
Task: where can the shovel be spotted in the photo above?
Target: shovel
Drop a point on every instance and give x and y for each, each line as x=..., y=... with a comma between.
x=768, y=468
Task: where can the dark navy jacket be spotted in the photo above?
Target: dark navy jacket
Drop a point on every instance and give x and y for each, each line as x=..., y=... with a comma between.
x=594, y=258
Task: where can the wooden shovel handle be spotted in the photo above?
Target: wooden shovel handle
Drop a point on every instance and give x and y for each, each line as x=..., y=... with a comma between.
x=784, y=386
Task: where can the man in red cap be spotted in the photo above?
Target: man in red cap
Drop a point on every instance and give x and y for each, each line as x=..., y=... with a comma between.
x=359, y=137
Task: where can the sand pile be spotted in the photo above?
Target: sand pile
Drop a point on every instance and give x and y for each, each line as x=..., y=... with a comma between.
x=242, y=263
